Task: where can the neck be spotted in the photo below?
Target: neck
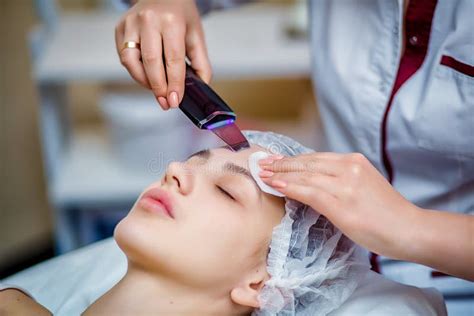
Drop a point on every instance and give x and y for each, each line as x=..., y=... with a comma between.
x=142, y=292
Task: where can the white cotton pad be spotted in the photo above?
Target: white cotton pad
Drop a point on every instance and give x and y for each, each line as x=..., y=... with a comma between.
x=255, y=170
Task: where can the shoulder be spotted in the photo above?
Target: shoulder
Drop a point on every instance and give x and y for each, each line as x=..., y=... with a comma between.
x=14, y=301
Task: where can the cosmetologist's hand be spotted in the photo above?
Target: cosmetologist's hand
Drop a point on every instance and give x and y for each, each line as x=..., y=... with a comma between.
x=163, y=27
x=354, y=196
x=350, y=192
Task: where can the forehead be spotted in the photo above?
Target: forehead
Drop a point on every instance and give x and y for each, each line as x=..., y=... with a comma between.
x=240, y=157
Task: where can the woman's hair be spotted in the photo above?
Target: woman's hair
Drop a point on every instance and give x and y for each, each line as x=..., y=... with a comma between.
x=314, y=268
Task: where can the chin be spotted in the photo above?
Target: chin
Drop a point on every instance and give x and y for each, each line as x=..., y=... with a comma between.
x=138, y=239
x=123, y=235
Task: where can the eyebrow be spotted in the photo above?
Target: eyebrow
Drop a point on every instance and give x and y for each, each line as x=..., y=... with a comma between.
x=233, y=168
x=229, y=166
x=204, y=153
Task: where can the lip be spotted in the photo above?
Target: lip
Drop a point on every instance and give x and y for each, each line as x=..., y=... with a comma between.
x=157, y=200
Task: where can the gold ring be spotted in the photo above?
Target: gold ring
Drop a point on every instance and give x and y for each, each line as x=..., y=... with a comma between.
x=131, y=44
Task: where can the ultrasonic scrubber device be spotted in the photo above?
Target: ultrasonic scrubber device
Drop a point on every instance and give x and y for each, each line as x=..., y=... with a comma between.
x=208, y=111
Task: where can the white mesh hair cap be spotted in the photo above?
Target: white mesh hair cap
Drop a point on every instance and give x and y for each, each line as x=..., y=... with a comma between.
x=314, y=268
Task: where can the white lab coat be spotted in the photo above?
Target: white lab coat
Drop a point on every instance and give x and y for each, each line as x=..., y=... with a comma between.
x=356, y=52
x=356, y=49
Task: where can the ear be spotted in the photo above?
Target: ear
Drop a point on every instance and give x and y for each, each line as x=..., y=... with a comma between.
x=246, y=292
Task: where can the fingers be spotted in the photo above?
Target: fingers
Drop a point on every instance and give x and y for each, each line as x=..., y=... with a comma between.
x=152, y=57
x=322, y=182
x=119, y=29
x=197, y=54
x=130, y=57
x=312, y=163
x=174, y=48
x=317, y=193
x=165, y=30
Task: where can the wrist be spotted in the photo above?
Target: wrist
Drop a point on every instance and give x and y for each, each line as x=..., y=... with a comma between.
x=413, y=234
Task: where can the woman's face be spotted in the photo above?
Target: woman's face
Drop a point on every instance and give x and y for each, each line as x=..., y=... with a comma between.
x=220, y=224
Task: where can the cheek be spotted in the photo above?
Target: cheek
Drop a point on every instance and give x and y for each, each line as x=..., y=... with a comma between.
x=219, y=242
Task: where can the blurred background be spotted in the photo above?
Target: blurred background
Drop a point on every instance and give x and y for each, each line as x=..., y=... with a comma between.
x=80, y=140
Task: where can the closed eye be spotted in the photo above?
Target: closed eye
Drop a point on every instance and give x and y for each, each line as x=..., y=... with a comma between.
x=225, y=192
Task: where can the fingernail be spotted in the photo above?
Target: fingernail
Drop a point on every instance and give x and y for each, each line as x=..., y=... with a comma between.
x=173, y=98
x=265, y=174
x=162, y=101
x=278, y=184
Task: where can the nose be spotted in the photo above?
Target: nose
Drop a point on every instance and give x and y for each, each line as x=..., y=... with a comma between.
x=179, y=177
